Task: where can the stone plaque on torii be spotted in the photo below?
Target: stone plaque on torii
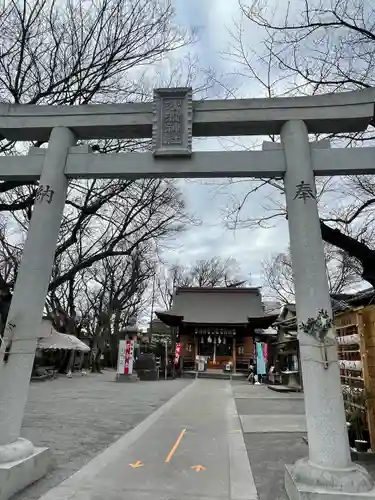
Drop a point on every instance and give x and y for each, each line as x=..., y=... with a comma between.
x=171, y=121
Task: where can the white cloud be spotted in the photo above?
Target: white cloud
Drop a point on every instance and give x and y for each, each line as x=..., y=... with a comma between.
x=212, y=20
x=248, y=246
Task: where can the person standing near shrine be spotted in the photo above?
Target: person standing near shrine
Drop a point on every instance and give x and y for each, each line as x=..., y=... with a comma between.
x=252, y=370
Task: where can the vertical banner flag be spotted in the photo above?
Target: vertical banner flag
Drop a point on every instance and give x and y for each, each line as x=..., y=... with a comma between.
x=261, y=365
x=177, y=354
x=121, y=357
x=129, y=354
x=125, y=357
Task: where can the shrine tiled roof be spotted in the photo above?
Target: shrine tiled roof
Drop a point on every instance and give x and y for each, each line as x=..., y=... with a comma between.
x=226, y=306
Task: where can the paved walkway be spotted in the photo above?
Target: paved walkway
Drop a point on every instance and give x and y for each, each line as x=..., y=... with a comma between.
x=191, y=448
x=214, y=440
x=79, y=417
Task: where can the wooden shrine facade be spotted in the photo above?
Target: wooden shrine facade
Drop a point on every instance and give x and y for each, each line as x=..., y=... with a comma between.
x=218, y=323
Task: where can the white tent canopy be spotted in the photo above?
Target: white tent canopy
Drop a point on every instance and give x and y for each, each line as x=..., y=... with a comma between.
x=52, y=340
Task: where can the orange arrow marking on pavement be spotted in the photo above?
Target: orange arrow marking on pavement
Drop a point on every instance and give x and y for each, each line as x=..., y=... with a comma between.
x=136, y=464
x=175, y=446
x=198, y=468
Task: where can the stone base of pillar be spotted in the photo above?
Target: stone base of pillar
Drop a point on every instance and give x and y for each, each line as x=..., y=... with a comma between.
x=304, y=481
x=17, y=475
x=121, y=377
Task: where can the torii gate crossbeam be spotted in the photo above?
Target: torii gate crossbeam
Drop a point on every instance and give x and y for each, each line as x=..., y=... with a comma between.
x=172, y=120
x=81, y=163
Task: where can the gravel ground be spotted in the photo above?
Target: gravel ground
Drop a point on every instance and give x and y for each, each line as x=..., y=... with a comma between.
x=78, y=418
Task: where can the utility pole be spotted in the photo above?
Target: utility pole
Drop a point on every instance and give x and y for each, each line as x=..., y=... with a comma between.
x=152, y=304
x=166, y=360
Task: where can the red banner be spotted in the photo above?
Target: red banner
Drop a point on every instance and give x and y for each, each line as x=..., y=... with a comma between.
x=177, y=354
x=129, y=348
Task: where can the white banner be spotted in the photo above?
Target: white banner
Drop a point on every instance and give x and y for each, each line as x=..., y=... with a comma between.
x=121, y=357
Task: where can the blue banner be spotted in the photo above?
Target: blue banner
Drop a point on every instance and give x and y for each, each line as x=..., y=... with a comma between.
x=261, y=364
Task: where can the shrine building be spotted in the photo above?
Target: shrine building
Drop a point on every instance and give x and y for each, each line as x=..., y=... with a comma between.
x=220, y=323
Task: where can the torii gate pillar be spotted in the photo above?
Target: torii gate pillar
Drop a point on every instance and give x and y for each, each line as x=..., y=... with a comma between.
x=21, y=463
x=328, y=471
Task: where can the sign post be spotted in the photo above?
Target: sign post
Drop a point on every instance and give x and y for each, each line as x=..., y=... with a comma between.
x=166, y=360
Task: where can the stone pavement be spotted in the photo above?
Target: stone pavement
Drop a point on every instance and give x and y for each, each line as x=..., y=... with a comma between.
x=191, y=448
x=80, y=417
x=274, y=427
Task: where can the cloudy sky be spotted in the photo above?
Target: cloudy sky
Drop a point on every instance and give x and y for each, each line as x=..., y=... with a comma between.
x=213, y=20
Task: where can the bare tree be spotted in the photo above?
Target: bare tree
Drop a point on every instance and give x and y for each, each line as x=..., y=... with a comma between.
x=108, y=219
x=316, y=46
x=167, y=282
x=312, y=47
x=214, y=272
x=278, y=274
x=76, y=53
x=278, y=277
x=111, y=292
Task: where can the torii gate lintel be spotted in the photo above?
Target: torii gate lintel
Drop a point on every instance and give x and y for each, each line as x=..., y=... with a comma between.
x=325, y=114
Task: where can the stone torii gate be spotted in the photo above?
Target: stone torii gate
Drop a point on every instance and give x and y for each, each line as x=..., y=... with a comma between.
x=171, y=120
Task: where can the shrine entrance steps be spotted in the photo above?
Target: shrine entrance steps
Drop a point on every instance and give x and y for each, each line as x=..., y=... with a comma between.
x=214, y=374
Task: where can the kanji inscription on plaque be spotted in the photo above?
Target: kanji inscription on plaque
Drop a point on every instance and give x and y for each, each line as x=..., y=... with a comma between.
x=172, y=124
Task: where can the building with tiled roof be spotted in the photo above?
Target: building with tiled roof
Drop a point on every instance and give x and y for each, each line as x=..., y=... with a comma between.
x=220, y=323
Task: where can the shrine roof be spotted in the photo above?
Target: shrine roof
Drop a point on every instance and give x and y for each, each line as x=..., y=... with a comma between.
x=263, y=322
x=215, y=306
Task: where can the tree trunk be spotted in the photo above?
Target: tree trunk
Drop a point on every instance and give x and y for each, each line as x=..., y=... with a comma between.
x=65, y=362
x=95, y=365
x=72, y=359
x=353, y=248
